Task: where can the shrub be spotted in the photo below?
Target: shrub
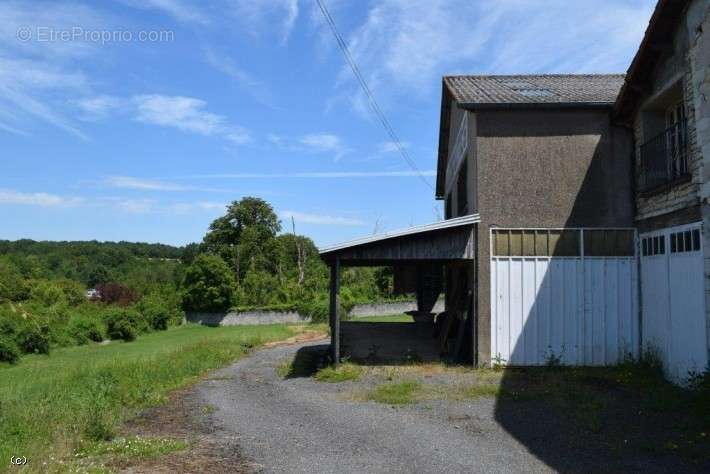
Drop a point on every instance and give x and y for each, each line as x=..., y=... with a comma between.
x=123, y=323
x=208, y=285
x=9, y=352
x=319, y=310
x=33, y=338
x=47, y=293
x=74, y=292
x=160, y=312
x=82, y=330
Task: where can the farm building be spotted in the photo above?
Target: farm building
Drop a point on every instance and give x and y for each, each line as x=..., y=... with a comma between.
x=574, y=209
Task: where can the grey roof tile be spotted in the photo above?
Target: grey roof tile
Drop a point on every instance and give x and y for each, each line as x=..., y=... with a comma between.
x=536, y=89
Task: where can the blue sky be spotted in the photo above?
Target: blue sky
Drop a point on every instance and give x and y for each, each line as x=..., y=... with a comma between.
x=141, y=119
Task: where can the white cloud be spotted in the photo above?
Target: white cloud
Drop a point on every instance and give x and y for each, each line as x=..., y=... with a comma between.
x=99, y=107
x=179, y=9
x=129, y=182
x=133, y=206
x=322, y=142
x=187, y=114
x=37, y=78
x=391, y=147
x=315, y=175
x=319, y=219
x=259, y=14
x=141, y=184
x=407, y=45
x=184, y=113
x=8, y=196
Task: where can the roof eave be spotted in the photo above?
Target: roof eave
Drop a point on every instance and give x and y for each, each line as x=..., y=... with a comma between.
x=535, y=105
x=446, y=224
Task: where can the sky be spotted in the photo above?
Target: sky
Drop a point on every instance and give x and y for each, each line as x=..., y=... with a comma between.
x=141, y=120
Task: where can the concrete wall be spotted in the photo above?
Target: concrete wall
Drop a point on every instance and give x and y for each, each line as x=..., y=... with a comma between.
x=251, y=317
x=547, y=168
x=234, y=318
x=385, y=309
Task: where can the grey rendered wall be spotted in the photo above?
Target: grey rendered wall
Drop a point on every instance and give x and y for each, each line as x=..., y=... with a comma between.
x=547, y=168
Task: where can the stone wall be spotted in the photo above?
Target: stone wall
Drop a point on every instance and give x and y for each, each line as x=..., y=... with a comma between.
x=674, y=69
x=699, y=59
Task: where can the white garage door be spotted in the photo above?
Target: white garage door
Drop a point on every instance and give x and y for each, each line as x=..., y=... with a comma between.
x=673, y=298
x=565, y=294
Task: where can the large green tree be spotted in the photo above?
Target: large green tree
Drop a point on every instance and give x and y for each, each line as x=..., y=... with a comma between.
x=245, y=237
x=208, y=285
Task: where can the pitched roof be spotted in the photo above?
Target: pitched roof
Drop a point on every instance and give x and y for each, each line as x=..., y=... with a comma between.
x=553, y=89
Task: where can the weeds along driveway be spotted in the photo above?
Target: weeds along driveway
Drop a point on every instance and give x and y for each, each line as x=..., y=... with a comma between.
x=301, y=425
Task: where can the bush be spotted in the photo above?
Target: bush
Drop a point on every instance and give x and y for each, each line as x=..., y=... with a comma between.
x=160, y=311
x=208, y=285
x=47, y=293
x=9, y=352
x=83, y=330
x=33, y=338
x=124, y=323
x=319, y=310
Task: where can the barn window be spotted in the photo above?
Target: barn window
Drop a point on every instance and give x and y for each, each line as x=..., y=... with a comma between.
x=655, y=245
x=685, y=241
x=563, y=242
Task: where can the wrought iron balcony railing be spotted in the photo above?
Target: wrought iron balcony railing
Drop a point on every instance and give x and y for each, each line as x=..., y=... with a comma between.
x=664, y=158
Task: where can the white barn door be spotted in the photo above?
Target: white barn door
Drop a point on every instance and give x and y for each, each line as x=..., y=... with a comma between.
x=561, y=303
x=673, y=299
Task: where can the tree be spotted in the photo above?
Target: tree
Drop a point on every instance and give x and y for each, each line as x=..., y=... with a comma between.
x=208, y=285
x=249, y=212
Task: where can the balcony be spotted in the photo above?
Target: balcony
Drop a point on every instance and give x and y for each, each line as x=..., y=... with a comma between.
x=664, y=158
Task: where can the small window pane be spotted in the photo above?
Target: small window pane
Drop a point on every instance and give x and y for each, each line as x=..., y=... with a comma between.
x=674, y=247
x=529, y=243
x=564, y=243
x=644, y=245
x=502, y=243
x=696, y=239
x=688, y=241
x=662, y=246
x=541, y=249
x=516, y=243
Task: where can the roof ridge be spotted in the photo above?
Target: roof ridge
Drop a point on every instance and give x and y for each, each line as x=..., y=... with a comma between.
x=493, y=76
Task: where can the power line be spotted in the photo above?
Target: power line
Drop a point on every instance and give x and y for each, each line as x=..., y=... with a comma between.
x=366, y=89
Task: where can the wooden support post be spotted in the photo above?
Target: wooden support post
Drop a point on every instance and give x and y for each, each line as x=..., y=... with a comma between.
x=334, y=307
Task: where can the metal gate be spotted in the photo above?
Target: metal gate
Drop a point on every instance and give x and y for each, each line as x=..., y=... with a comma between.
x=673, y=299
x=566, y=296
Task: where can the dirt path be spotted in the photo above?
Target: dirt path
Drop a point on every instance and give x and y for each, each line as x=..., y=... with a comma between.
x=300, y=425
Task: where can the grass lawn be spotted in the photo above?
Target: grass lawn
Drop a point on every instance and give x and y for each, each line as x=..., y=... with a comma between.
x=392, y=318
x=51, y=406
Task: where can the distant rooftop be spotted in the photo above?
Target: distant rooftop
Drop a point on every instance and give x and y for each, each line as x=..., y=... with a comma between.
x=568, y=89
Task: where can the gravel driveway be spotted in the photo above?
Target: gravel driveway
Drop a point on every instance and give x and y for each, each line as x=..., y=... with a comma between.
x=301, y=425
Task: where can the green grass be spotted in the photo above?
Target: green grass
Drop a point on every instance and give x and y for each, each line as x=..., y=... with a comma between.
x=392, y=318
x=395, y=393
x=343, y=373
x=132, y=447
x=49, y=405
